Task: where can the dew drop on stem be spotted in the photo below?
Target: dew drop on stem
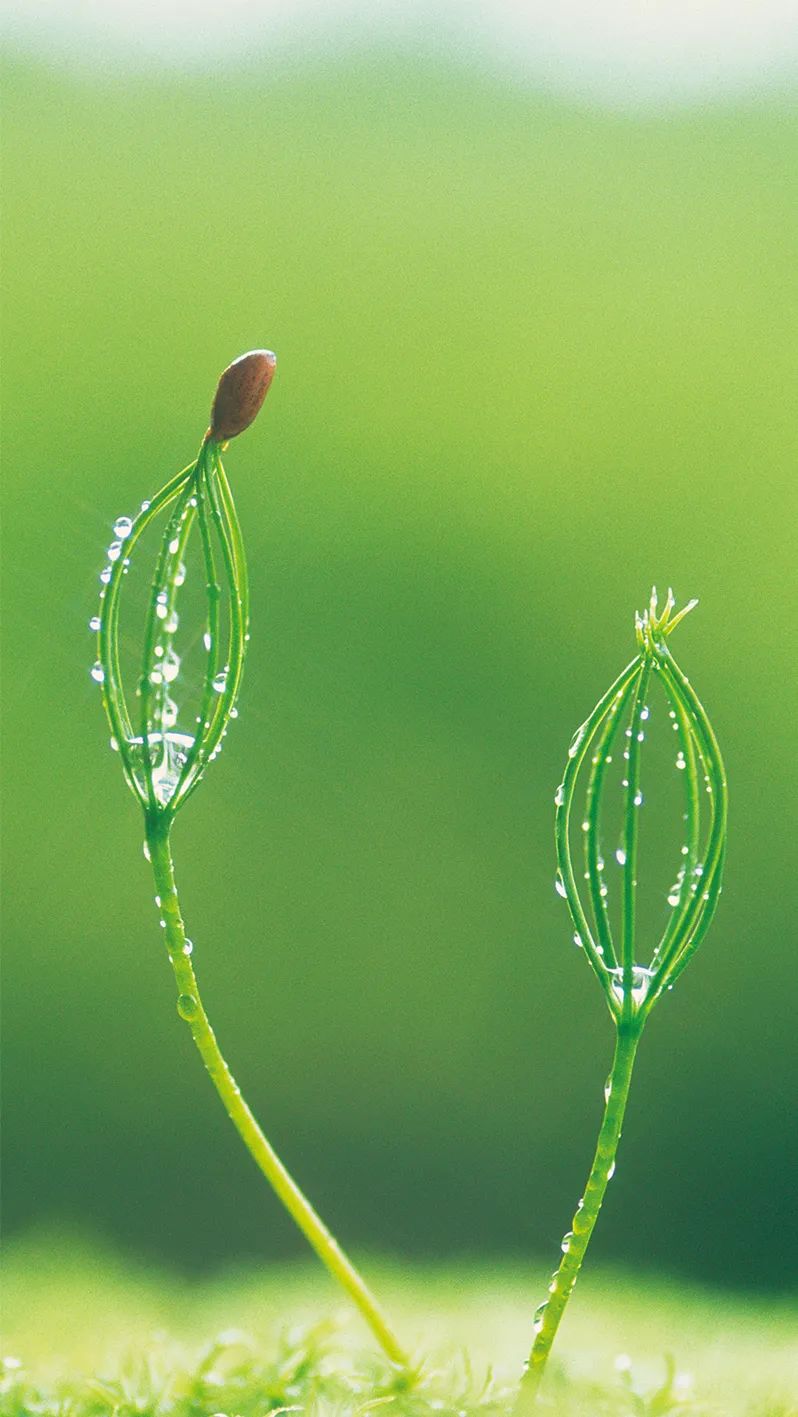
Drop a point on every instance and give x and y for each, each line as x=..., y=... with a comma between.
x=98, y=673
x=559, y=887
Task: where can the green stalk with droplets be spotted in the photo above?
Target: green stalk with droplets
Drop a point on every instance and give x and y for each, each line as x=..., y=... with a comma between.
x=630, y=989
x=163, y=763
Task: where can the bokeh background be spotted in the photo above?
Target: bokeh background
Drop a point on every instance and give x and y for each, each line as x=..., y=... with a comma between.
x=532, y=283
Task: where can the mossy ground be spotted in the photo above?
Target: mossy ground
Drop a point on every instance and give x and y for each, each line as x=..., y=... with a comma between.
x=89, y=1335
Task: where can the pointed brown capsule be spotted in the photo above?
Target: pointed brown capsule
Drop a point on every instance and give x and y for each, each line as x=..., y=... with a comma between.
x=240, y=393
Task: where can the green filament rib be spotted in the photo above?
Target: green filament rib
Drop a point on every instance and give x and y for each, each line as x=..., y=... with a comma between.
x=576, y=757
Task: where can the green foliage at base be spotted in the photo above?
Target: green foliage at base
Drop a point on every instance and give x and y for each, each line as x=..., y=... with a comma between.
x=87, y=1335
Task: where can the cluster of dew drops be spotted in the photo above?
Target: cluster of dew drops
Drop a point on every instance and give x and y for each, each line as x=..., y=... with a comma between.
x=167, y=669
x=641, y=975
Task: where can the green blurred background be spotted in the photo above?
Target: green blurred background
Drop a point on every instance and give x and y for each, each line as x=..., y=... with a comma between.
x=534, y=354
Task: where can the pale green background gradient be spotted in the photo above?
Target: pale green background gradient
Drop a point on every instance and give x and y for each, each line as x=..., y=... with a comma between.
x=533, y=355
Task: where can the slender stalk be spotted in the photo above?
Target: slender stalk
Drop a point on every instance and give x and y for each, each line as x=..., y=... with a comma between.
x=191, y=1010
x=576, y=1241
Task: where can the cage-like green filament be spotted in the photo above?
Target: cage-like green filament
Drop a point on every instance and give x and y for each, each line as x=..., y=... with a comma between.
x=632, y=980
x=164, y=763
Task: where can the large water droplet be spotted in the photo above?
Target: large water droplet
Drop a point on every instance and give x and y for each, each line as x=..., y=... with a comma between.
x=170, y=667
x=114, y=551
x=559, y=887
x=98, y=673
x=122, y=527
x=187, y=1006
x=94, y=624
x=641, y=978
x=220, y=681
x=620, y=856
x=559, y=796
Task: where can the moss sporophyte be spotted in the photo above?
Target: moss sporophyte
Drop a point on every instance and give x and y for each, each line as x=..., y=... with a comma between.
x=164, y=758
x=631, y=988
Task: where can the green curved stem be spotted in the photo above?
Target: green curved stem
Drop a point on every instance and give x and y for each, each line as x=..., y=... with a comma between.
x=191, y=1009
x=575, y=1243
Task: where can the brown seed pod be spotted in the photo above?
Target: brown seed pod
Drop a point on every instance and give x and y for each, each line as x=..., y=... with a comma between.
x=240, y=393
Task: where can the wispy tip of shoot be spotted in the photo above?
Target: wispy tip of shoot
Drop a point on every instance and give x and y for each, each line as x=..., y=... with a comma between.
x=653, y=621
x=240, y=393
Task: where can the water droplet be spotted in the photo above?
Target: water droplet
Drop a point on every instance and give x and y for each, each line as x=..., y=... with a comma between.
x=234, y=712
x=559, y=887
x=565, y=1243
x=680, y=761
x=162, y=924
x=576, y=742
x=220, y=681
x=620, y=856
x=186, y=1006
x=94, y=624
x=603, y=892
x=586, y=825
x=611, y=1172
x=171, y=666
x=187, y=948
x=559, y=796
x=607, y=1091
x=608, y=758
x=174, y=546
x=641, y=978
x=122, y=527
x=169, y=713
x=685, y=850
x=578, y=941
x=146, y=849
x=180, y=575
x=645, y=712
x=641, y=737
x=206, y=640
x=674, y=898
x=114, y=746
x=114, y=551
x=172, y=622
x=105, y=574
x=98, y=673
x=638, y=799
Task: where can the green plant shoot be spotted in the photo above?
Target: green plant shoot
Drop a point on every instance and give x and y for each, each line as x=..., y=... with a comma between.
x=164, y=758
x=631, y=987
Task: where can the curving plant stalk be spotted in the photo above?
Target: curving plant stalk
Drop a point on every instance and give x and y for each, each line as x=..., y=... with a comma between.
x=631, y=989
x=164, y=760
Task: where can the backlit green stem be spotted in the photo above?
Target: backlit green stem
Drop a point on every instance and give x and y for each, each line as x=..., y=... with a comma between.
x=575, y=1243
x=190, y=1008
